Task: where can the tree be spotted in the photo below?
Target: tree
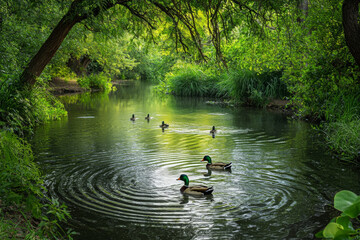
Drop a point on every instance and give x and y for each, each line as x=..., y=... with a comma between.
x=350, y=16
x=182, y=14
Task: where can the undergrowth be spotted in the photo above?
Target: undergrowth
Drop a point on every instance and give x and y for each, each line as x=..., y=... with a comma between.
x=25, y=210
x=243, y=86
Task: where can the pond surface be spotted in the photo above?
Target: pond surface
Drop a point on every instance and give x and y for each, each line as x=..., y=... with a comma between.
x=118, y=177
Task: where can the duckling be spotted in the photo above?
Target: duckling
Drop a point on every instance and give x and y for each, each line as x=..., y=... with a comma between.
x=213, y=130
x=199, y=190
x=147, y=117
x=164, y=125
x=216, y=166
x=133, y=117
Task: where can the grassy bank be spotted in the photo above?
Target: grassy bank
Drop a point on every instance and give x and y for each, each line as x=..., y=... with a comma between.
x=242, y=86
x=25, y=211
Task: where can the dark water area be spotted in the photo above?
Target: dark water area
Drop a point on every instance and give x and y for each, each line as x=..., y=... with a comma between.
x=118, y=177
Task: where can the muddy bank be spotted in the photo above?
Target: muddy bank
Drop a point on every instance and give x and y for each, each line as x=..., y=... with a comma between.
x=58, y=86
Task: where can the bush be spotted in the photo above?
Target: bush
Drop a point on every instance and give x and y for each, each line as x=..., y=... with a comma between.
x=191, y=81
x=20, y=112
x=98, y=81
x=252, y=88
x=21, y=188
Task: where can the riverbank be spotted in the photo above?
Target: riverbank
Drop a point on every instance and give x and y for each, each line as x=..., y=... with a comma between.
x=59, y=86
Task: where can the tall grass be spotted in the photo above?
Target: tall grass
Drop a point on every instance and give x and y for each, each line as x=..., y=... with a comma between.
x=342, y=125
x=21, y=188
x=96, y=81
x=254, y=89
x=243, y=86
x=21, y=192
x=191, y=81
x=20, y=112
x=343, y=138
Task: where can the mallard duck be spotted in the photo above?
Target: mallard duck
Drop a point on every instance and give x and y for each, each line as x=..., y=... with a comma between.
x=199, y=190
x=216, y=166
x=213, y=130
x=133, y=117
x=147, y=117
x=164, y=125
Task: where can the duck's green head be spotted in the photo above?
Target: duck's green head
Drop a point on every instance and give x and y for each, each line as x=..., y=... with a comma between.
x=163, y=123
x=207, y=159
x=213, y=128
x=184, y=178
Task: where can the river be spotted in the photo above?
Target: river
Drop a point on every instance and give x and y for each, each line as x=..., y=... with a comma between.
x=118, y=177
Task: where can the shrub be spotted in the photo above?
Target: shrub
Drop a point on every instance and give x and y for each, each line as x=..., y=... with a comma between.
x=21, y=187
x=252, y=88
x=20, y=112
x=192, y=81
x=98, y=81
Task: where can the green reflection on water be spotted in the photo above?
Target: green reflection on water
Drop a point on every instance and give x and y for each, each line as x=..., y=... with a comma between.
x=118, y=176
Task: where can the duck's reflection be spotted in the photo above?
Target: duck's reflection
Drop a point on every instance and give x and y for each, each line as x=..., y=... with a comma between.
x=185, y=198
x=208, y=172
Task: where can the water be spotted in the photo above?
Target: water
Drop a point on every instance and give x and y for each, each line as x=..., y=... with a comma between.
x=118, y=177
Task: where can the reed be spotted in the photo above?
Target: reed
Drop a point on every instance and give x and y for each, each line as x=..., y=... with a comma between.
x=96, y=81
x=192, y=82
x=255, y=89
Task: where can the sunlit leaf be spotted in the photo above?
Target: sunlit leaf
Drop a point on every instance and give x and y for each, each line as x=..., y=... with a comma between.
x=347, y=202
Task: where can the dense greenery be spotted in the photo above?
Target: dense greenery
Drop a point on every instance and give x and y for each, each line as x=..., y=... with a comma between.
x=22, y=194
x=250, y=52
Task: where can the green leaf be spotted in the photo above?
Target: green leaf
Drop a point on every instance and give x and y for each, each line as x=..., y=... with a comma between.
x=320, y=234
x=345, y=222
x=332, y=229
x=347, y=202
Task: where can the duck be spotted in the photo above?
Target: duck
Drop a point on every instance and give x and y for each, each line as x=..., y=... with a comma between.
x=216, y=166
x=164, y=125
x=147, y=117
x=133, y=117
x=199, y=190
x=213, y=130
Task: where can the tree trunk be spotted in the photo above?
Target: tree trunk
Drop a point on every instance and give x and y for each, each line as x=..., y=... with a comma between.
x=350, y=16
x=303, y=6
x=79, y=65
x=48, y=49
x=57, y=36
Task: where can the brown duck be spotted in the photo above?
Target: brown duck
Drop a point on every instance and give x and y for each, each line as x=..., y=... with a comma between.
x=199, y=190
x=216, y=166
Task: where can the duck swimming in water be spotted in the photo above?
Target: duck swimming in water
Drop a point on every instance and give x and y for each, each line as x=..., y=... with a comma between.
x=216, y=166
x=213, y=130
x=147, y=117
x=133, y=117
x=164, y=125
x=199, y=190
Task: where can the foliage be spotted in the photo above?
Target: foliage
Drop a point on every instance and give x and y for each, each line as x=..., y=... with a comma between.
x=20, y=112
x=96, y=81
x=244, y=86
x=253, y=88
x=154, y=62
x=341, y=227
x=191, y=80
x=344, y=138
x=21, y=186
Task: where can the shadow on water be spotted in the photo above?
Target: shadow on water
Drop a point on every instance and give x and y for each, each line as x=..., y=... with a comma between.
x=118, y=177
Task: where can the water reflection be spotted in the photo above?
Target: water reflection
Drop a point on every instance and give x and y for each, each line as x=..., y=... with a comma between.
x=118, y=176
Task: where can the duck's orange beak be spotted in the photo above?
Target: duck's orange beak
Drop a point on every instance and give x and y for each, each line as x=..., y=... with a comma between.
x=178, y=179
x=202, y=160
